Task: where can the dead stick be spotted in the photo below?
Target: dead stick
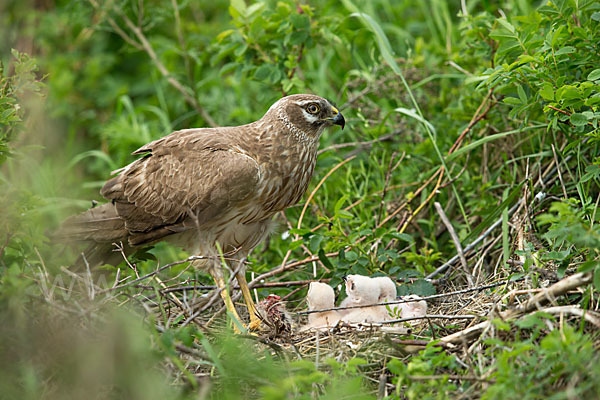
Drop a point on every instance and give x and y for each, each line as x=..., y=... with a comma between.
x=559, y=288
x=257, y=286
x=456, y=241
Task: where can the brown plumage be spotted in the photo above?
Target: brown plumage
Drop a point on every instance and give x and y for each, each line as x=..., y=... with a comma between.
x=197, y=187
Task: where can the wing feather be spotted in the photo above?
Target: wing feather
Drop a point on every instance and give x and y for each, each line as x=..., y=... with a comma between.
x=178, y=179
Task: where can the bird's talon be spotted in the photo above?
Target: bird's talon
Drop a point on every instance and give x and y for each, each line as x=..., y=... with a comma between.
x=254, y=325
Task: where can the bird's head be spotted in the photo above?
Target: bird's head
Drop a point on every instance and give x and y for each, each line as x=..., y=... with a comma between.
x=320, y=295
x=307, y=114
x=362, y=288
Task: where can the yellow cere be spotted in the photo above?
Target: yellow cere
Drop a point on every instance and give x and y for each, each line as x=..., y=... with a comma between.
x=335, y=110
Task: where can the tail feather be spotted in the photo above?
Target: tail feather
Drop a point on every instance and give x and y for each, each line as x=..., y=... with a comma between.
x=102, y=253
x=100, y=224
x=101, y=227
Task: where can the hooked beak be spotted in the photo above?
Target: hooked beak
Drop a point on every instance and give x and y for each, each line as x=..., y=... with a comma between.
x=338, y=119
x=344, y=278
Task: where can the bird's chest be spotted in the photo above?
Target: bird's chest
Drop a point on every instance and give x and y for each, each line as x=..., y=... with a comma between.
x=286, y=179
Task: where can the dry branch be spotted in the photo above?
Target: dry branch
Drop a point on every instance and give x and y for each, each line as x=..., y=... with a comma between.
x=534, y=304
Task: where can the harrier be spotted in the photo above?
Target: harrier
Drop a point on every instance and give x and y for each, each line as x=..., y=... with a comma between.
x=210, y=189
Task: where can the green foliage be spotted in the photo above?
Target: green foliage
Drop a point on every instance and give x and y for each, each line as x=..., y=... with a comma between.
x=268, y=42
x=52, y=354
x=412, y=379
x=563, y=365
x=409, y=80
x=15, y=87
x=549, y=57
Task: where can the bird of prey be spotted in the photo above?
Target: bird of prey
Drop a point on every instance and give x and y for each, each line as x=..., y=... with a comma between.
x=210, y=190
x=320, y=297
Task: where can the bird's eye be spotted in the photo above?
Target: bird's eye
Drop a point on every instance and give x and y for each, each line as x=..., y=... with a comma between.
x=313, y=108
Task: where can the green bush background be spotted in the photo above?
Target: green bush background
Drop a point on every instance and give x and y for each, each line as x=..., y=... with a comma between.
x=88, y=82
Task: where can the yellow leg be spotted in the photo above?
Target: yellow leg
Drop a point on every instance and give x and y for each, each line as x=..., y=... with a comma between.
x=222, y=287
x=254, y=320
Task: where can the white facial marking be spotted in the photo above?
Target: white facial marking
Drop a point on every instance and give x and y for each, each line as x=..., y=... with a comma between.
x=309, y=117
x=305, y=102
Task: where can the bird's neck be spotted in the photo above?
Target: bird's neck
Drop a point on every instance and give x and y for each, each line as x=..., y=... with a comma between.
x=287, y=162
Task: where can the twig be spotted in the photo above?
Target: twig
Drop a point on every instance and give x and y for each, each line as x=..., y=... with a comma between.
x=559, y=288
x=181, y=40
x=423, y=204
x=286, y=267
x=430, y=316
x=415, y=195
x=89, y=277
x=321, y=182
x=8, y=237
x=559, y=110
x=145, y=44
x=213, y=298
x=560, y=178
x=386, y=183
x=474, y=243
x=236, y=287
x=453, y=377
x=456, y=241
x=116, y=27
x=589, y=316
x=478, y=116
x=156, y=271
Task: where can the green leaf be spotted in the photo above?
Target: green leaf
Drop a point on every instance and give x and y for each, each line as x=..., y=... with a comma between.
x=422, y=287
x=522, y=95
x=594, y=75
x=239, y=6
x=323, y=258
x=565, y=50
x=344, y=214
x=536, y=320
x=402, y=236
x=501, y=324
x=351, y=255
x=568, y=92
x=578, y=119
x=263, y=72
x=414, y=115
x=588, y=266
x=315, y=243
x=591, y=172
x=506, y=25
x=556, y=255
x=513, y=101
x=547, y=91
x=339, y=204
